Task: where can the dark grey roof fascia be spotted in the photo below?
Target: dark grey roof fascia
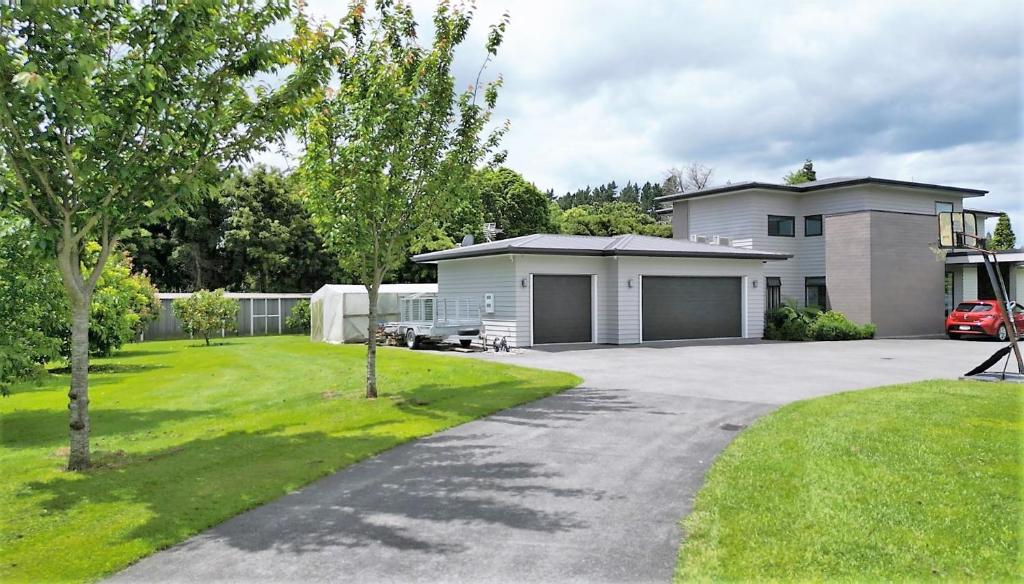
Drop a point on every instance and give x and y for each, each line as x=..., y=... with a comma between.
x=437, y=256
x=810, y=187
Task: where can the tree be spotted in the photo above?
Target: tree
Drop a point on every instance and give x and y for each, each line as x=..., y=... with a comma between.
x=391, y=151
x=112, y=114
x=298, y=318
x=694, y=177
x=1003, y=237
x=268, y=237
x=515, y=205
x=610, y=219
x=205, y=313
x=805, y=174
x=122, y=305
x=30, y=296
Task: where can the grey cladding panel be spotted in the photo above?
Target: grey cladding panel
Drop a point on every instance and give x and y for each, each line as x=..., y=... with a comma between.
x=691, y=308
x=562, y=311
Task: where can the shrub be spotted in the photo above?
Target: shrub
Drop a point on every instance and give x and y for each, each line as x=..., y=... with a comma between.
x=122, y=305
x=791, y=323
x=788, y=322
x=204, y=313
x=834, y=326
x=298, y=318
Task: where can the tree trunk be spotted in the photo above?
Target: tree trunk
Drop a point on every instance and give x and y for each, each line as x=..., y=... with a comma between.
x=371, y=342
x=78, y=395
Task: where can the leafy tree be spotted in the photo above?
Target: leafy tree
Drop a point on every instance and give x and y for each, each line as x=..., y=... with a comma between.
x=610, y=219
x=1003, y=237
x=30, y=296
x=805, y=174
x=114, y=113
x=205, y=313
x=391, y=151
x=122, y=305
x=35, y=312
x=269, y=239
x=298, y=318
x=648, y=193
x=186, y=251
x=515, y=205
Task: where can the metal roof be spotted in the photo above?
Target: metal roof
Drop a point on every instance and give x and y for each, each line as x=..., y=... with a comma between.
x=592, y=245
x=817, y=185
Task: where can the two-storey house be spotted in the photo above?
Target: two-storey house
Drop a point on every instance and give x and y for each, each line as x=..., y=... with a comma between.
x=861, y=245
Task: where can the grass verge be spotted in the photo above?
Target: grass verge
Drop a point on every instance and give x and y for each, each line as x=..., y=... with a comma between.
x=186, y=436
x=906, y=482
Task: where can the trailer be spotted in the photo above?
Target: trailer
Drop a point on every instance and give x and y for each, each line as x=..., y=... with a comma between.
x=431, y=318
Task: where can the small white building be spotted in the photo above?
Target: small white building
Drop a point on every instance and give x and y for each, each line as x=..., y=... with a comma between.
x=546, y=289
x=339, y=313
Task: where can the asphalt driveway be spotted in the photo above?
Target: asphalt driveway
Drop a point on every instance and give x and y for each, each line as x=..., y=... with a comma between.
x=586, y=486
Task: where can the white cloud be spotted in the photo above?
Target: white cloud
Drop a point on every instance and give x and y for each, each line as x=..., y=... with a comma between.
x=603, y=90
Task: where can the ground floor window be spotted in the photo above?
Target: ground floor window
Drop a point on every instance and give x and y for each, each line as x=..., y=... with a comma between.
x=772, y=292
x=815, y=293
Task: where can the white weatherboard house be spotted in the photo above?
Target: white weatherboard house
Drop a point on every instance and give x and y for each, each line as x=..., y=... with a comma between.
x=546, y=289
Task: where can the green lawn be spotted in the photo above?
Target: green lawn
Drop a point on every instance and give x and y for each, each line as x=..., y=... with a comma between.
x=186, y=436
x=907, y=482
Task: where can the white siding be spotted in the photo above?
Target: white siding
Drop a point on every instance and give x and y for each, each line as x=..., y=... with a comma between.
x=632, y=268
x=744, y=216
x=479, y=276
x=617, y=303
x=970, y=282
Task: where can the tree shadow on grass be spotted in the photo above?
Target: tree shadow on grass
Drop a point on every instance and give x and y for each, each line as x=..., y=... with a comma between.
x=112, y=368
x=388, y=501
x=34, y=428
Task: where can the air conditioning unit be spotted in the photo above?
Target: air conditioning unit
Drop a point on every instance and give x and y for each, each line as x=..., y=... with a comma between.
x=721, y=240
x=699, y=238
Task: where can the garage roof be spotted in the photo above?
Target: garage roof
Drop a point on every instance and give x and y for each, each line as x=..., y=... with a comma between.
x=591, y=245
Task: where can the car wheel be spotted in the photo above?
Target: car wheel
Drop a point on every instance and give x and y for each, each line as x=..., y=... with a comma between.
x=953, y=336
x=411, y=340
x=1001, y=334
x=466, y=343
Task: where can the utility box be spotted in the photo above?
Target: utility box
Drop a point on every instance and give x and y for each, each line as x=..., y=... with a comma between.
x=489, y=303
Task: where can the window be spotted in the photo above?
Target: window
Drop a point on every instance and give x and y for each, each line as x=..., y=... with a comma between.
x=812, y=225
x=815, y=293
x=772, y=292
x=974, y=307
x=943, y=207
x=781, y=225
x=949, y=288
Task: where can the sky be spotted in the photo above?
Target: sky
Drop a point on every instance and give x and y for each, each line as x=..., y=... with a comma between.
x=596, y=91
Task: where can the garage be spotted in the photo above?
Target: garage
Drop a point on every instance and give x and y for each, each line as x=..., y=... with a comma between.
x=691, y=307
x=562, y=309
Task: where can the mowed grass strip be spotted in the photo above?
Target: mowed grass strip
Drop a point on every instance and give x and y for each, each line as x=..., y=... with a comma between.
x=186, y=436
x=908, y=482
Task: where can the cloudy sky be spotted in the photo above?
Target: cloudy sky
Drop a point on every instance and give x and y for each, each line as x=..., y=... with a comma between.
x=597, y=91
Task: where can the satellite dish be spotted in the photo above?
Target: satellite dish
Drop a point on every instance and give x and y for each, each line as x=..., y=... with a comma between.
x=467, y=241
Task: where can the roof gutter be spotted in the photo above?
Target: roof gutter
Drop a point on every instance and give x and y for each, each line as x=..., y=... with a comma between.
x=427, y=258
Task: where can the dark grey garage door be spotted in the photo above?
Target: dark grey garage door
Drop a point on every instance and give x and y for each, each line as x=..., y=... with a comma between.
x=561, y=309
x=691, y=308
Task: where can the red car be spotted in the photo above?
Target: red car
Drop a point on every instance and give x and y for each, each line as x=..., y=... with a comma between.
x=982, y=318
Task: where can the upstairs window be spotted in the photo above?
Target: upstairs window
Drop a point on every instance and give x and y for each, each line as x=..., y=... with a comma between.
x=812, y=226
x=943, y=207
x=781, y=225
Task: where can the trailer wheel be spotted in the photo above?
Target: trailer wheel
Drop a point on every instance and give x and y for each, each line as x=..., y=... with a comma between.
x=411, y=340
x=466, y=343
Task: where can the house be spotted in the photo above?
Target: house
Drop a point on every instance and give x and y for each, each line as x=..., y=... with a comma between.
x=864, y=246
x=543, y=289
